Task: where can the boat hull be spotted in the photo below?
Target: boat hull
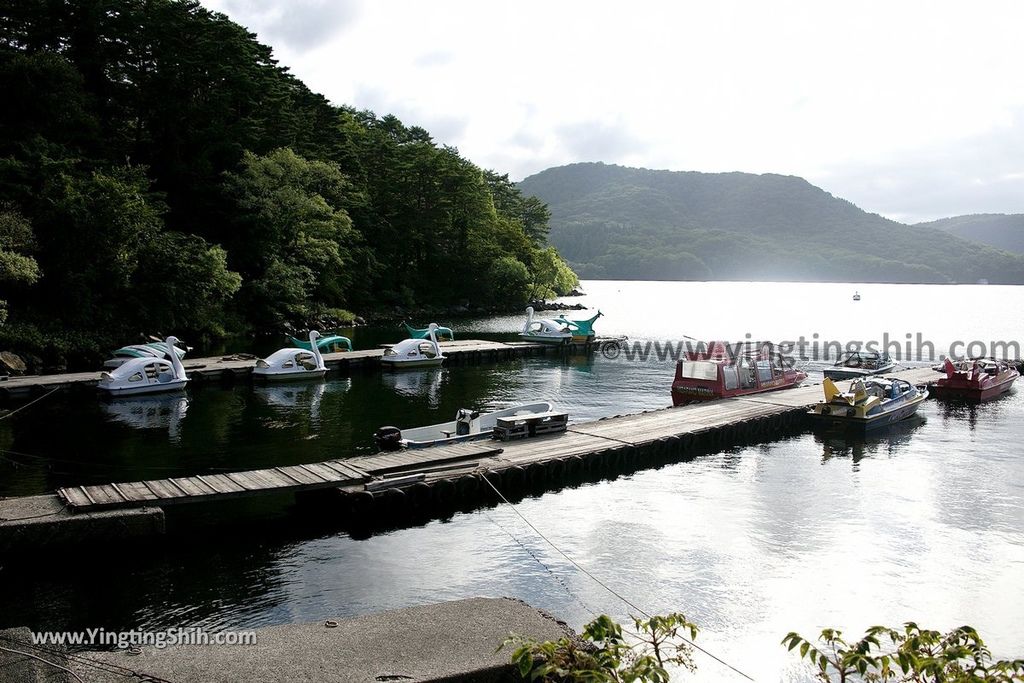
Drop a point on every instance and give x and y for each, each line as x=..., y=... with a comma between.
x=156, y=388
x=886, y=417
x=855, y=373
x=408, y=364
x=966, y=392
x=288, y=376
x=541, y=339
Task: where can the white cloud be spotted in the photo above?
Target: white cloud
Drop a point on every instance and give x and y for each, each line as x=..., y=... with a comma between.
x=882, y=103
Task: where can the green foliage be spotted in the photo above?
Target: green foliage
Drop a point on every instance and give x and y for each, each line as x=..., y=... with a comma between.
x=615, y=222
x=293, y=237
x=552, y=276
x=606, y=654
x=910, y=654
x=125, y=120
x=1002, y=231
x=16, y=267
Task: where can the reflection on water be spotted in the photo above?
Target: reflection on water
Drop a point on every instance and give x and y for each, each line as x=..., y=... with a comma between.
x=838, y=442
x=164, y=412
x=921, y=521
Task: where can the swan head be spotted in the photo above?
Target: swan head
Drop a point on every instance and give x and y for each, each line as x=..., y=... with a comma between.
x=529, y=310
x=172, y=341
x=314, y=335
x=432, y=327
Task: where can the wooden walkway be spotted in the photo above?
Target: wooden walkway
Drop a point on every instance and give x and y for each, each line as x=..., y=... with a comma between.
x=238, y=366
x=450, y=462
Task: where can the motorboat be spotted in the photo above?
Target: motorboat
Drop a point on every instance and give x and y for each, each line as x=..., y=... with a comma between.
x=332, y=343
x=147, y=375
x=582, y=330
x=721, y=371
x=414, y=353
x=468, y=425
x=975, y=379
x=153, y=349
x=868, y=404
x=292, y=363
x=854, y=364
x=856, y=296
x=544, y=330
x=443, y=333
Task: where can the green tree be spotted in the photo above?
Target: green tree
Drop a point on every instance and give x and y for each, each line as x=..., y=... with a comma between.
x=606, y=654
x=552, y=276
x=293, y=238
x=910, y=655
x=16, y=240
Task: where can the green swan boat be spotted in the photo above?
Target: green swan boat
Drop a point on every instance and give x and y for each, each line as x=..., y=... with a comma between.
x=442, y=333
x=330, y=344
x=582, y=330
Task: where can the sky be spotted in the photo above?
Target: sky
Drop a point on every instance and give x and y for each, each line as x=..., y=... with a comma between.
x=911, y=109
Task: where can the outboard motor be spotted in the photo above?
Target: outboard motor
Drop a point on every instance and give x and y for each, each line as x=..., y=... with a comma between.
x=388, y=438
x=463, y=420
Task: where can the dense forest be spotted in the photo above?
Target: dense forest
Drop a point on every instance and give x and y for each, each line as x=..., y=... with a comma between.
x=626, y=223
x=999, y=230
x=161, y=173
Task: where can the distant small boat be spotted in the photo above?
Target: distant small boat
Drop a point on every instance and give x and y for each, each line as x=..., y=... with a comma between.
x=147, y=375
x=581, y=330
x=868, y=405
x=856, y=296
x=853, y=364
x=292, y=363
x=468, y=425
x=443, y=333
x=545, y=330
x=414, y=353
x=975, y=379
x=153, y=349
x=329, y=344
x=722, y=371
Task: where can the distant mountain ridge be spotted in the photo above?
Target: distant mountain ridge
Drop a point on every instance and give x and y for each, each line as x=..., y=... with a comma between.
x=615, y=222
x=999, y=230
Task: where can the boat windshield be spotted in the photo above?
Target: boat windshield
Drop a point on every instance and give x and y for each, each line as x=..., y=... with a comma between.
x=704, y=370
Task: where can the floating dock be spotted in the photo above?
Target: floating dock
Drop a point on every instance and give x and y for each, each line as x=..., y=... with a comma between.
x=239, y=366
x=442, y=476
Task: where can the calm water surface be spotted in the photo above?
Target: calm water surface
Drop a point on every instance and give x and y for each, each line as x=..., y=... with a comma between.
x=924, y=522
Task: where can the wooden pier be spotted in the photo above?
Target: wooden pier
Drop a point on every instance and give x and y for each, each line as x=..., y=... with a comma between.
x=372, y=488
x=720, y=423
x=239, y=366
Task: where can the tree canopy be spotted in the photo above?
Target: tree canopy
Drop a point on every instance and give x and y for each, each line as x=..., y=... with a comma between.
x=160, y=171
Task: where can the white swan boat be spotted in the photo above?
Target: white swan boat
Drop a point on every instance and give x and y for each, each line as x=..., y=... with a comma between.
x=545, y=330
x=468, y=425
x=414, y=353
x=147, y=375
x=292, y=363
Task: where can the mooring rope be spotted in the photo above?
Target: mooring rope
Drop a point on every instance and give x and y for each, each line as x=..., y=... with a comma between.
x=33, y=401
x=602, y=583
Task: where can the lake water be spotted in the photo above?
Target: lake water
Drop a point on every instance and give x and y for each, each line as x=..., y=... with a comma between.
x=924, y=522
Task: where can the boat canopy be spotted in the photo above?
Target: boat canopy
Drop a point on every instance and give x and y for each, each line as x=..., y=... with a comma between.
x=583, y=328
x=328, y=343
x=442, y=333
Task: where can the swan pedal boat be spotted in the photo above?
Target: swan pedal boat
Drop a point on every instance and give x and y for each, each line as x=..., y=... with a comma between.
x=154, y=349
x=468, y=425
x=545, y=330
x=868, y=404
x=581, y=330
x=146, y=375
x=443, y=333
x=292, y=363
x=975, y=379
x=331, y=343
x=414, y=353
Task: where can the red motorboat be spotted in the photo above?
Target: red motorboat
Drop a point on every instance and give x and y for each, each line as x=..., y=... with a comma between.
x=722, y=371
x=975, y=379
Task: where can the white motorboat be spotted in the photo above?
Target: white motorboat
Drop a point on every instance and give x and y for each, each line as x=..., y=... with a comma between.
x=467, y=426
x=146, y=375
x=414, y=353
x=545, y=330
x=292, y=363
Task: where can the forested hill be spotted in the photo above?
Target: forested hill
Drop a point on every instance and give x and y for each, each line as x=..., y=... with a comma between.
x=999, y=230
x=627, y=223
x=161, y=173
